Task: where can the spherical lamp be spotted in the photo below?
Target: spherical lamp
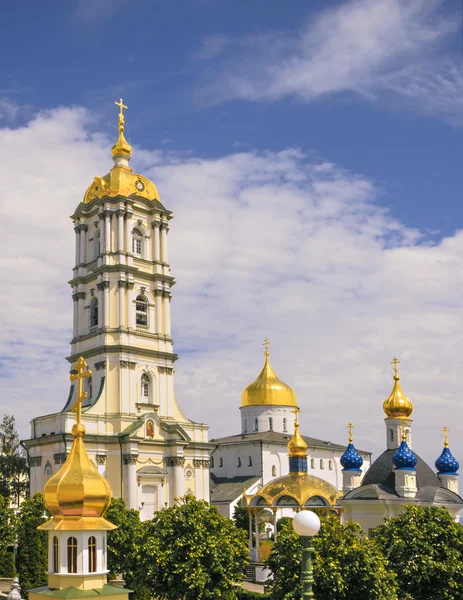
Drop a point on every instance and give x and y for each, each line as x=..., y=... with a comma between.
x=306, y=523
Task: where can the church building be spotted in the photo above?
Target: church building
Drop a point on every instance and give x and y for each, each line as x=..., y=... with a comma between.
x=137, y=435
x=245, y=462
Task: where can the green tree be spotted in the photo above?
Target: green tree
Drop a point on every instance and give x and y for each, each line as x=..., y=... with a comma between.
x=8, y=528
x=347, y=565
x=32, y=543
x=241, y=516
x=190, y=551
x=14, y=471
x=123, y=547
x=424, y=546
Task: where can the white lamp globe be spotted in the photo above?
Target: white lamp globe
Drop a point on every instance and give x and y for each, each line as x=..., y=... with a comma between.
x=306, y=523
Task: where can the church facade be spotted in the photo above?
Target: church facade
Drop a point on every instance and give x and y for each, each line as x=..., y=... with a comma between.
x=245, y=462
x=137, y=435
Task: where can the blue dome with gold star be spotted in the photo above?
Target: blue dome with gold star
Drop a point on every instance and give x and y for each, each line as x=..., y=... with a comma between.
x=447, y=463
x=351, y=459
x=404, y=458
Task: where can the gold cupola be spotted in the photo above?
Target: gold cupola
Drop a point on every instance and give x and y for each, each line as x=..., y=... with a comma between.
x=267, y=389
x=121, y=180
x=77, y=495
x=397, y=405
x=296, y=445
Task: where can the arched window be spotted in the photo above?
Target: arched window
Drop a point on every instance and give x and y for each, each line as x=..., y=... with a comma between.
x=221, y=462
x=250, y=461
x=92, y=554
x=330, y=465
x=285, y=424
x=141, y=311
x=94, y=313
x=322, y=464
x=145, y=386
x=55, y=555
x=274, y=471
x=137, y=242
x=97, y=244
x=391, y=434
x=312, y=463
x=90, y=388
x=72, y=555
x=256, y=424
x=270, y=424
x=239, y=461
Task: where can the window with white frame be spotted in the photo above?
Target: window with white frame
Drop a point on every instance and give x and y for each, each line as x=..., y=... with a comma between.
x=322, y=463
x=285, y=424
x=270, y=423
x=256, y=424
x=137, y=242
x=97, y=244
x=141, y=311
x=94, y=312
x=145, y=387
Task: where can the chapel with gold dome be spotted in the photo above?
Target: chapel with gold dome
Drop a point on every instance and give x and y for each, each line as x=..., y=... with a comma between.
x=138, y=437
x=258, y=456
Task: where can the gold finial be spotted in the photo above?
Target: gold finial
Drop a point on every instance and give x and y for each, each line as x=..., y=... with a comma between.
x=81, y=367
x=296, y=445
x=445, y=431
x=296, y=412
x=395, y=362
x=121, y=106
x=350, y=427
x=404, y=432
x=266, y=344
x=121, y=148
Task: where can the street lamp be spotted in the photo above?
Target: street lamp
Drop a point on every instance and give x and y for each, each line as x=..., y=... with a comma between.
x=306, y=524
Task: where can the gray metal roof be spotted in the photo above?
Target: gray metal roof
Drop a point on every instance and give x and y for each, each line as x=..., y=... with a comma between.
x=227, y=490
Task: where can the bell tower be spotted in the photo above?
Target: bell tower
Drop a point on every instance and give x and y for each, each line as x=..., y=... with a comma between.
x=121, y=290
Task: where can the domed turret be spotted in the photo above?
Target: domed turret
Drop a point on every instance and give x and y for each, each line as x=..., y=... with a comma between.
x=397, y=405
x=297, y=447
x=404, y=458
x=267, y=389
x=351, y=459
x=447, y=463
x=121, y=180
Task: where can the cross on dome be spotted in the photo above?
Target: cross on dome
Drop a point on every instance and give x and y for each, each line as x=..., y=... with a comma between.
x=445, y=431
x=266, y=344
x=82, y=372
x=350, y=427
x=395, y=362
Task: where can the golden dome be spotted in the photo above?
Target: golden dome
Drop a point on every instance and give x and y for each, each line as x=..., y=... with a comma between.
x=121, y=180
x=77, y=495
x=268, y=389
x=300, y=486
x=296, y=446
x=397, y=405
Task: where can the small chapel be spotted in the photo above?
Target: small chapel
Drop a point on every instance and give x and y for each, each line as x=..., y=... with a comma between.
x=138, y=437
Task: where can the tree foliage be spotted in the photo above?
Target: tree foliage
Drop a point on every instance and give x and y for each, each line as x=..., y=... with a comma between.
x=32, y=543
x=347, y=565
x=14, y=471
x=424, y=546
x=190, y=551
x=241, y=517
x=8, y=527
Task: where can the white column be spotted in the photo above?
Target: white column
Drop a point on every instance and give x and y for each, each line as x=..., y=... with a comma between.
x=158, y=310
x=83, y=328
x=128, y=232
x=179, y=476
x=75, y=328
x=102, y=234
x=83, y=239
x=130, y=306
x=99, y=295
x=121, y=291
x=131, y=484
x=206, y=491
x=156, y=241
x=164, y=256
x=77, y=230
x=120, y=230
x=106, y=303
x=107, y=233
x=166, y=303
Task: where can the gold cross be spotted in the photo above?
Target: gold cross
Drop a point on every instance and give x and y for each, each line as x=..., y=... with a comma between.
x=266, y=344
x=446, y=437
x=121, y=106
x=350, y=427
x=296, y=411
x=82, y=371
x=395, y=362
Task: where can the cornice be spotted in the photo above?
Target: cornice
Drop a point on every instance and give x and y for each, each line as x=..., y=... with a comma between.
x=122, y=349
x=93, y=275
x=91, y=208
x=106, y=330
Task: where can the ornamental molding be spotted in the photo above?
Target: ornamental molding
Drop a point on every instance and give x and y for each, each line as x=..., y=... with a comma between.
x=156, y=224
x=99, y=366
x=125, y=364
x=103, y=284
x=83, y=227
x=166, y=370
x=122, y=283
x=174, y=461
x=166, y=294
x=201, y=463
x=60, y=458
x=130, y=285
x=100, y=459
x=120, y=212
x=75, y=297
x=158, y=292
x=81, y=295
x=130, y=459
x=36, y=461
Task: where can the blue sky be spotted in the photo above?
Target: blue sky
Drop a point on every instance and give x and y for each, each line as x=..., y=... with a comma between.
x=237, y=100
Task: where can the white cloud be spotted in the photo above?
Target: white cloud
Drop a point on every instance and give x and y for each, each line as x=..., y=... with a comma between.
x=8, y=109
x=262, y=244
x=359, y=46
x=211, y=47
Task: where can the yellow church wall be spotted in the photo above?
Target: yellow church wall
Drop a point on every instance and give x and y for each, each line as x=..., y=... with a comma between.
x=113, y=473
x=82, y=582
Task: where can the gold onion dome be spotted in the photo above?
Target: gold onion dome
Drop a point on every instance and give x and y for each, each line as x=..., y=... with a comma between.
x=296, y=446
x=77, y=495
x=121, y=180
x=397, y=405
x=268, y=389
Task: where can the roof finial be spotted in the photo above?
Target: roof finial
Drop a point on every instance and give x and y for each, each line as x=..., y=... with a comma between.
x=121, y=149
x=404, y=431
x=350, y=427
x=445, y=431
x=78, y=429
x=395, y=362
x=121, y=106
x=266, y=344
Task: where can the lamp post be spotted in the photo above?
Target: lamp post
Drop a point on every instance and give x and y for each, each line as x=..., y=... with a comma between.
x=306, y=524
